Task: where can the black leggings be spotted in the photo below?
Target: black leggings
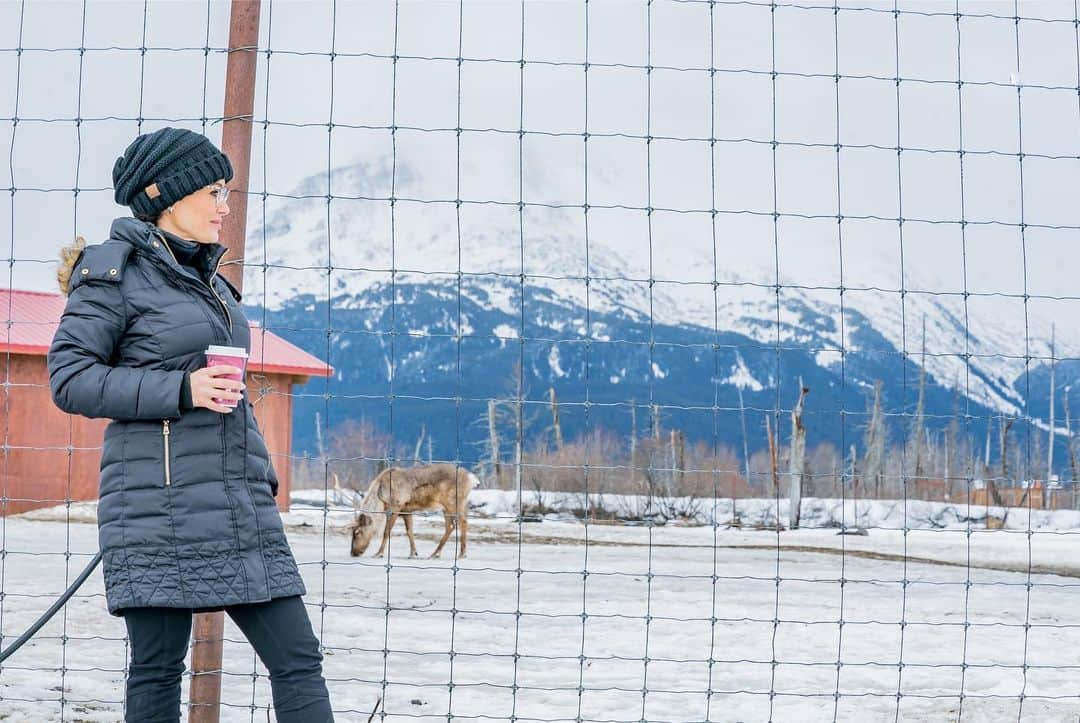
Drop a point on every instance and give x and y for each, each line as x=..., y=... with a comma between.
x=280, y=632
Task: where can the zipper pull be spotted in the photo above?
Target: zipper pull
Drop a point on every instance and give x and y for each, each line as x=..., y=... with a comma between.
x=168, y=453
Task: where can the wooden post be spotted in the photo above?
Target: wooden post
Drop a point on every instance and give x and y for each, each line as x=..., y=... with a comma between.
x=209, y=628
x=236, y=129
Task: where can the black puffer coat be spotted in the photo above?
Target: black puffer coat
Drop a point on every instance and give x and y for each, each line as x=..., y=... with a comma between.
x=186, y=512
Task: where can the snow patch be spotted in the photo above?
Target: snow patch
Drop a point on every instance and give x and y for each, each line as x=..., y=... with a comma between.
x=741, y=377
x=553, y=361
x=505, y=331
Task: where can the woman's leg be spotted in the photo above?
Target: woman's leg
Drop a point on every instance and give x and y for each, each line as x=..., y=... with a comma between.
x=159, y=642
x=281, y=634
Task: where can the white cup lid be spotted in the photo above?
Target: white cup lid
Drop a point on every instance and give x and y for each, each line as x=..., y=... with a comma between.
x=227, y=351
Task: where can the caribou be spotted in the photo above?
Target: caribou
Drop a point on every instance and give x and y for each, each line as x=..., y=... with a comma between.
x=400, y=491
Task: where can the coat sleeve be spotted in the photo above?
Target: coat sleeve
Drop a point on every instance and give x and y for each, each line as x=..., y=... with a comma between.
x=82, y=373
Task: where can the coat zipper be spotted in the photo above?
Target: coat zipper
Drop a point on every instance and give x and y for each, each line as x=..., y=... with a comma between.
x=168, y=455
x=224, y=306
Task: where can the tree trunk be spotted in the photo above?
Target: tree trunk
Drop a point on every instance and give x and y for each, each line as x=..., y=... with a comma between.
x=419, y=444
x=1050, y=441
x=875, y=444
x=746, y=448
x=1069, y=438
x=797, y=466
x=678, y=461
x=555, y=419
x=773, y=465
x=493, y=441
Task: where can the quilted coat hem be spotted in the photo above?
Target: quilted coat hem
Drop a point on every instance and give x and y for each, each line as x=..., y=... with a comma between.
x=192, y=576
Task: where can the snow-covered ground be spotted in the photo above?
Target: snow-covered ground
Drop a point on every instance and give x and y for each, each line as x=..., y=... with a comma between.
x=657, y=603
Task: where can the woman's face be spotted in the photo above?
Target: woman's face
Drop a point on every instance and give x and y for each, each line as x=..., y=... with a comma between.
x=197, y=216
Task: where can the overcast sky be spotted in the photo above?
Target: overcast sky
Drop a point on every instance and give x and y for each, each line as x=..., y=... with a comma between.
x=47, y=154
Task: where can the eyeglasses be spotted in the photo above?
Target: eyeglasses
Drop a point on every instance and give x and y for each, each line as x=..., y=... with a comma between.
x=221, y=196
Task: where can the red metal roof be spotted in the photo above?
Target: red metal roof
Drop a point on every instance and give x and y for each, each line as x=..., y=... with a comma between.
x=32, y=317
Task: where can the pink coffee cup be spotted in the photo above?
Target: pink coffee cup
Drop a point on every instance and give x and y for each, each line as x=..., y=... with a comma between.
x=231, y=355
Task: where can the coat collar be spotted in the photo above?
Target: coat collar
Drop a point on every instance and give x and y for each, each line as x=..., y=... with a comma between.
x=148, y=238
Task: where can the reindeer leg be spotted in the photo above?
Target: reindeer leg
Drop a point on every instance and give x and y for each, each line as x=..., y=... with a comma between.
x=448, y=519
x=463, y=523
x=386, y=534
x=409, y=531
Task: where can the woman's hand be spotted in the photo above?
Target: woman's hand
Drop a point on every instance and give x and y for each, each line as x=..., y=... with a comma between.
x=207, y=384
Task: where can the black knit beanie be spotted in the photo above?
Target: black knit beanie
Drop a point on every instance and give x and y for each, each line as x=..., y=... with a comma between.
x=160, y=168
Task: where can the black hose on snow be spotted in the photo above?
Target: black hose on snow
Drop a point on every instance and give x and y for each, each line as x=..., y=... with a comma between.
x=6, y=653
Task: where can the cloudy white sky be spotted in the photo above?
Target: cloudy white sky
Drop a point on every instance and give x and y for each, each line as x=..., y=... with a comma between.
x=299, y=91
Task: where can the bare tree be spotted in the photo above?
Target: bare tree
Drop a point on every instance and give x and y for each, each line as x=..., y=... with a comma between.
x=419, y=444
x=855, y=485
x=1069, y=447
x=773, y=462
x=919, y=423
x=493, y=441
x=512, y=414
x=1004, y=425
x=555, y=418
x=678, y=461
x=950, y=456
x=356, y=451
x=875, y=444
x=745, y=440
x=797, y=465
x=1050, y=444
x=822, y=471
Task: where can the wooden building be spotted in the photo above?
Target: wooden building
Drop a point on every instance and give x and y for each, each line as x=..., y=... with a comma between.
x=48, y=456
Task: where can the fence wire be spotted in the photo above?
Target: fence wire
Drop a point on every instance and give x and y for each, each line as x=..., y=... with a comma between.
x=637, y=570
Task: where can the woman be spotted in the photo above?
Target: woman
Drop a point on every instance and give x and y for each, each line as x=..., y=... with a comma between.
x=186, y=516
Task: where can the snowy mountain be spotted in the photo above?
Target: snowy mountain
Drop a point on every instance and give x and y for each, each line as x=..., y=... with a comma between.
x=582, y=316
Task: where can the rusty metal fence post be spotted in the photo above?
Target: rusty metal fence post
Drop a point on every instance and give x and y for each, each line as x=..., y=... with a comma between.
x=208, y=629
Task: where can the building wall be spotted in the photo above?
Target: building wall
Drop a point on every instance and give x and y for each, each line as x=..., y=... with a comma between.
x=270, y=398
x=38, y=469
x=52, y=455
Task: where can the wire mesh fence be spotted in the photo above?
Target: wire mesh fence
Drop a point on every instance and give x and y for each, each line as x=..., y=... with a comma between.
x=749, y=318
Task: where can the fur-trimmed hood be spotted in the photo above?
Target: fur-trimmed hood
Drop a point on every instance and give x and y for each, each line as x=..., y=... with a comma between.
x=68, y=256
x=143, y=236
